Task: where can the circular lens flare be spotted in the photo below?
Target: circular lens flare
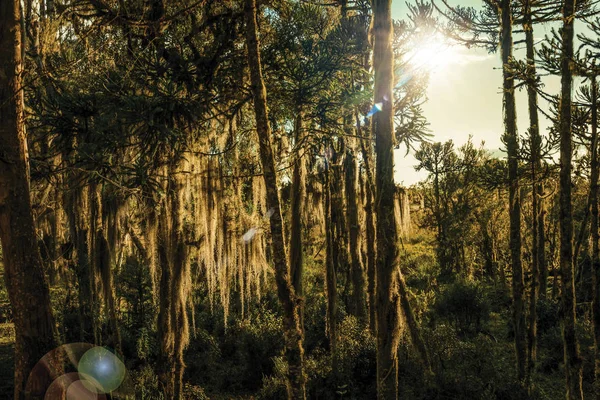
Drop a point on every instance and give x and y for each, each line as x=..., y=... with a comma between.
x=102, y=368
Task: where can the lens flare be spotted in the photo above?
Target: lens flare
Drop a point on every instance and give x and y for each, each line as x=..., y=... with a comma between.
x=247, y=237
x=103, y=368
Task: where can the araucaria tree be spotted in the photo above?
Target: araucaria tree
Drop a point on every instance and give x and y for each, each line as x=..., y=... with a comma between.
x=294, y=351
x=573, y=363
x=208, y=190
x=387, y=295
x=25, y=280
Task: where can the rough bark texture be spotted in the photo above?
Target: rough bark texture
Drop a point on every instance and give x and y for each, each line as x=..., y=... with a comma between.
x=573, y=364
x=25, y=280
x=330, y=270
x=175, y=287
x=76, y=204
x=294, y=352
x=298, y=192
x=512, y=147
x=413, y=325
x=358, y=275
x=108, y=242
x=595, y=238
x=388, y=299
x=368, y=182
x=537, y=250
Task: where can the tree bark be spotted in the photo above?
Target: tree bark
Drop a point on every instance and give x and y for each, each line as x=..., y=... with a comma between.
x=76, y=206
x=25, y=280
x=512, y=147
x=330, y=270
x=297, y=195
x=595, y=169
x=573, y=363
x=537, y=251
x=358, y=277
x=365, y=145
x=175, y=286
x=294, y=352
x=413, y=325
x=388, y=299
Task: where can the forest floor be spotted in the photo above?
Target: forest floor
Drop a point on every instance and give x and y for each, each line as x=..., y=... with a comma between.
x=7, y=342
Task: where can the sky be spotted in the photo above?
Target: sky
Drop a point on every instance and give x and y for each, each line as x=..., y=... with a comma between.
x=465, y=98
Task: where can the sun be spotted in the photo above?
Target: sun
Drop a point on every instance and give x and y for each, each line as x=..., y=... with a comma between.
x=432, y=54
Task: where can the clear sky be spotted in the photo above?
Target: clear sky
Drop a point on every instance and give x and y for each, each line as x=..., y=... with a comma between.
x=465, y=98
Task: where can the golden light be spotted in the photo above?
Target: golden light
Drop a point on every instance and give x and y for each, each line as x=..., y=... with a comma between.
x=432, y=54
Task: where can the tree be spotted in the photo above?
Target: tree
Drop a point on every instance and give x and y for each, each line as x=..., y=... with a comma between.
x=538, y=259
x=477, y=25
x=595, y=171
x=387, y=293
x=27, y=285
x=573, y=363
x=512, y=147
x=294, y=351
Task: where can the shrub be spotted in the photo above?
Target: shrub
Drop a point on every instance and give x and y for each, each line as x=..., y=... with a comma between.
x=464, y=305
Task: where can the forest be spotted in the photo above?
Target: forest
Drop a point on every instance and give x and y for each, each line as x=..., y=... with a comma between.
x=202, y=199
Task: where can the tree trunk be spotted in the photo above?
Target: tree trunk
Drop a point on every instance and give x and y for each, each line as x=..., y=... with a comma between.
x=542, y=262
x=595, y=169
x=537, y=250
x=298, y=193
x=388, y=299
x=365, y=145
x=330, y=270
x=294, y=352
x=76, y=206
x=25, y=280
x=512, y=147
x=109, y=242
x=358, y=277
x=413, y=326
x=573, y=364
x=175, y=286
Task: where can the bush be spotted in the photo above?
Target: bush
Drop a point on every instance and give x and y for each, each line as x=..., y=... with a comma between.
x=353, y=378
x=480, y=368
x=238, y=361
x=464, y=305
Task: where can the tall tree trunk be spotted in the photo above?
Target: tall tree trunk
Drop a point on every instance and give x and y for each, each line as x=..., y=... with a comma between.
x=537, y=250
x=76, y=205
x=573, y=364
x=338, y=218
x=512, y=147
x=365, y=145
x=25, y=280
x=294, y=352
x=109, y=242
x=330, y=269
x=358, y=277
x=595, y=169
x=175, y=285
x=413, y=325
x=388, y=299
x=542, y=262
x=298, y=192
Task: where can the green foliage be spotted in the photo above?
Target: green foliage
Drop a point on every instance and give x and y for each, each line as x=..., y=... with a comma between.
x=146, y=383
x=353, y=378
x=480, y=368
x=356, y=359
x=464, y=305
x=236, y=360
